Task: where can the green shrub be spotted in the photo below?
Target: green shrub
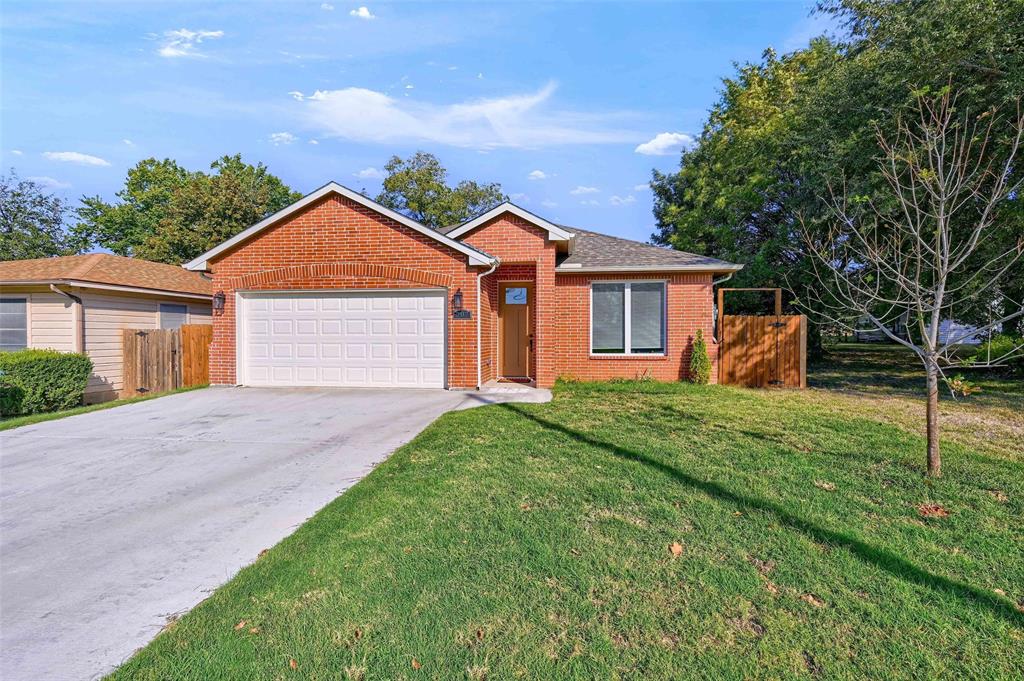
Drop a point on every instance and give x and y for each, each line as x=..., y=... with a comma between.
x=700, y=363
x=39, y=381
x=999, y=345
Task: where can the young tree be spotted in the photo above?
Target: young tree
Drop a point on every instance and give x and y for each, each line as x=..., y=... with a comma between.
x=923, y=248
x=31, y=221
x=417, y=186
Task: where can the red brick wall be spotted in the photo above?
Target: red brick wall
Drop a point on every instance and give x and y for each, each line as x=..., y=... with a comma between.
x=335, y=244
x=689, y=307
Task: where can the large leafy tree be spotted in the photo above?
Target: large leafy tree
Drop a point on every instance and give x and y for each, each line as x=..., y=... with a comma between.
x=168, y=214
x=418, y=187
x=31, y=221
x=789, y=131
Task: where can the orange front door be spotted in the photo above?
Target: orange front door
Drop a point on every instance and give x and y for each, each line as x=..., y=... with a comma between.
x=515, y=337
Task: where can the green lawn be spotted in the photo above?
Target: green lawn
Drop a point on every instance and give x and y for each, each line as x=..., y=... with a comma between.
x=8, y=422
x=535, y=541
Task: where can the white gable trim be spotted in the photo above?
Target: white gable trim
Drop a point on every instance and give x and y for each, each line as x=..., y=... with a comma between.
x=475, y=257
x=555, y=233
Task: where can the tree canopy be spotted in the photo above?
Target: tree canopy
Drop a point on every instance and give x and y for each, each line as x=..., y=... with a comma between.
x=791, y=130
x=168, y=214
x=31, y=221
x=417, y=187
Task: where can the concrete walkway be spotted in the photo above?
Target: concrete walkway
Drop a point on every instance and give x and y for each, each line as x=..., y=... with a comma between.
x=114, y=522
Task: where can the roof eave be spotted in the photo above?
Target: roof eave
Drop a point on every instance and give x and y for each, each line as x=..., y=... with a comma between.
x=555, y=233
x=725, y=267
x=79, y=283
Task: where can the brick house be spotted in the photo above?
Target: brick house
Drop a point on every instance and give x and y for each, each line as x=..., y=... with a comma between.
x=337, y=290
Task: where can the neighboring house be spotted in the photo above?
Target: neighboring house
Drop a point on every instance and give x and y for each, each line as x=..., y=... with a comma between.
x=337, y=290
x=80, y=303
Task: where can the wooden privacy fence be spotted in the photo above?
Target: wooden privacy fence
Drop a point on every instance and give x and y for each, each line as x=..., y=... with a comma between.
x=761, y=351
x=159, y=360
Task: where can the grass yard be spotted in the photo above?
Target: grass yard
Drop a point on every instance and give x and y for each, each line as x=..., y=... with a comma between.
x=644, y=530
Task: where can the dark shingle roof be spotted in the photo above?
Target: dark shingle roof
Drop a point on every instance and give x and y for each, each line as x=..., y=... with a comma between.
x=594, y=250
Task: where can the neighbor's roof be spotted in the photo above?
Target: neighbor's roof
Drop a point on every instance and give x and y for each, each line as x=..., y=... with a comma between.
x=594, y=252
x=103, y=268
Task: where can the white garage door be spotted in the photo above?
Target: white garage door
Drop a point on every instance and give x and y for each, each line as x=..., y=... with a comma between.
x=352, y=338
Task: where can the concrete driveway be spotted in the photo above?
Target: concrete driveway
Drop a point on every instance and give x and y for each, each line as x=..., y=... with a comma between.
x=113, y=522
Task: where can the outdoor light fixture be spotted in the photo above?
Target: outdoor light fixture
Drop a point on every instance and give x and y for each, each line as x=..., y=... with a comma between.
x=457, y=300
x=218, y=301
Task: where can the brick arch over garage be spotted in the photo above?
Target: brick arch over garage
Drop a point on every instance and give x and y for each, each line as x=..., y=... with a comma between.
x=339, y=271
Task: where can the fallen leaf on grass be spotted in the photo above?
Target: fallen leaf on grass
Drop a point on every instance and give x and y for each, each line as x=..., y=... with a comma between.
x=932, y=511
x=240, y=625
x=763, y=566
x=770, y=587
x=737, y=513
x=827, y=486
x=676, y=549
x=416, y=664
x=262, y=553
x=999, y=495
x=293, y=664
x=813, y=600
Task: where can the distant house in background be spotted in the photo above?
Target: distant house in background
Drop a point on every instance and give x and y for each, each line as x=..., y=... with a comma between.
x=949, y=331
x=80, y=303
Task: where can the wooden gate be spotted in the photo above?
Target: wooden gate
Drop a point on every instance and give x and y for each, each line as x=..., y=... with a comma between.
x=763, y=351
x=160, y=360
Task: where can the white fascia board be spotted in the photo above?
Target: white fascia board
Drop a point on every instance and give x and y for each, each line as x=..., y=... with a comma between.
x=555, y=233
x=109, y=287
x=475, y=257
x=569, y=269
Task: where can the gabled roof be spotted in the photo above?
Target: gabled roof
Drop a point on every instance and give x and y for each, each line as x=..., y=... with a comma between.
x=555, y=232
x=475, y=256
x=107, y=270
x=594, y=252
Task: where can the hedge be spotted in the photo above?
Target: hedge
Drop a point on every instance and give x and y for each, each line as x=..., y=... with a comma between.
x=39, y=381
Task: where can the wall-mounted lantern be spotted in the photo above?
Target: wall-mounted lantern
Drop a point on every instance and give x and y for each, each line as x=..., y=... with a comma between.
x=457, y=300
x=218, y=301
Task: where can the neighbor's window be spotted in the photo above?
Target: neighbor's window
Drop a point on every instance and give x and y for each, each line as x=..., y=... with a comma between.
x=13, y=323
x=172, y=315
x=627, y=318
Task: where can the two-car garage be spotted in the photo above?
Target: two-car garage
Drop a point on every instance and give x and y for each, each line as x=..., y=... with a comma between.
x=342, y=338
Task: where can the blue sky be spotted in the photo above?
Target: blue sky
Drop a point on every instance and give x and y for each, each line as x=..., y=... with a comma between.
x=567, y=105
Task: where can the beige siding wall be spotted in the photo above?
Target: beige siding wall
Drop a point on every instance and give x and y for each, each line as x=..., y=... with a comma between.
x=105, y=317
x=50, y=317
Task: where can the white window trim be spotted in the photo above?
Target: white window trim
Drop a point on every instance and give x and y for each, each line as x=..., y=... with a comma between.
x=627, y=321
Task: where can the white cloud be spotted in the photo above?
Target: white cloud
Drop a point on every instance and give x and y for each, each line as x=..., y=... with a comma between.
x=297, y=96
x=641, y=187
x=584, y=190
x=278, y=138
x=314, y=141
x=48, y=182
x=182, y=42
x=371, y=174
x=622, y=200
x=363, y=13
x=520, y=121
x=537, y=175
x=548, y=203
x=665, y=144
x=522, y=198
x=127, y=142
x=590, y=202
x=16, y=152
x=327, y=7
x=75, y=157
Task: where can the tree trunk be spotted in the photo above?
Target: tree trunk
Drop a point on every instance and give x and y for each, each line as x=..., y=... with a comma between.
x=932, y=417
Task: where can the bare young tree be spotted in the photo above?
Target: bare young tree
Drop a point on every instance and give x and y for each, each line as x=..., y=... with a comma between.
x=926, y=250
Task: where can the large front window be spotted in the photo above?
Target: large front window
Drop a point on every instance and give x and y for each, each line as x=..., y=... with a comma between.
x=627, y=318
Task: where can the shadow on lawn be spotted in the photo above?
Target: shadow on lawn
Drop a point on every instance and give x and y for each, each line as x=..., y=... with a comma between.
x=881, y=558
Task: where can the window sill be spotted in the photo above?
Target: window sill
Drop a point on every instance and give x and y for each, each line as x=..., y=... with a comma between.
x=640, y=355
